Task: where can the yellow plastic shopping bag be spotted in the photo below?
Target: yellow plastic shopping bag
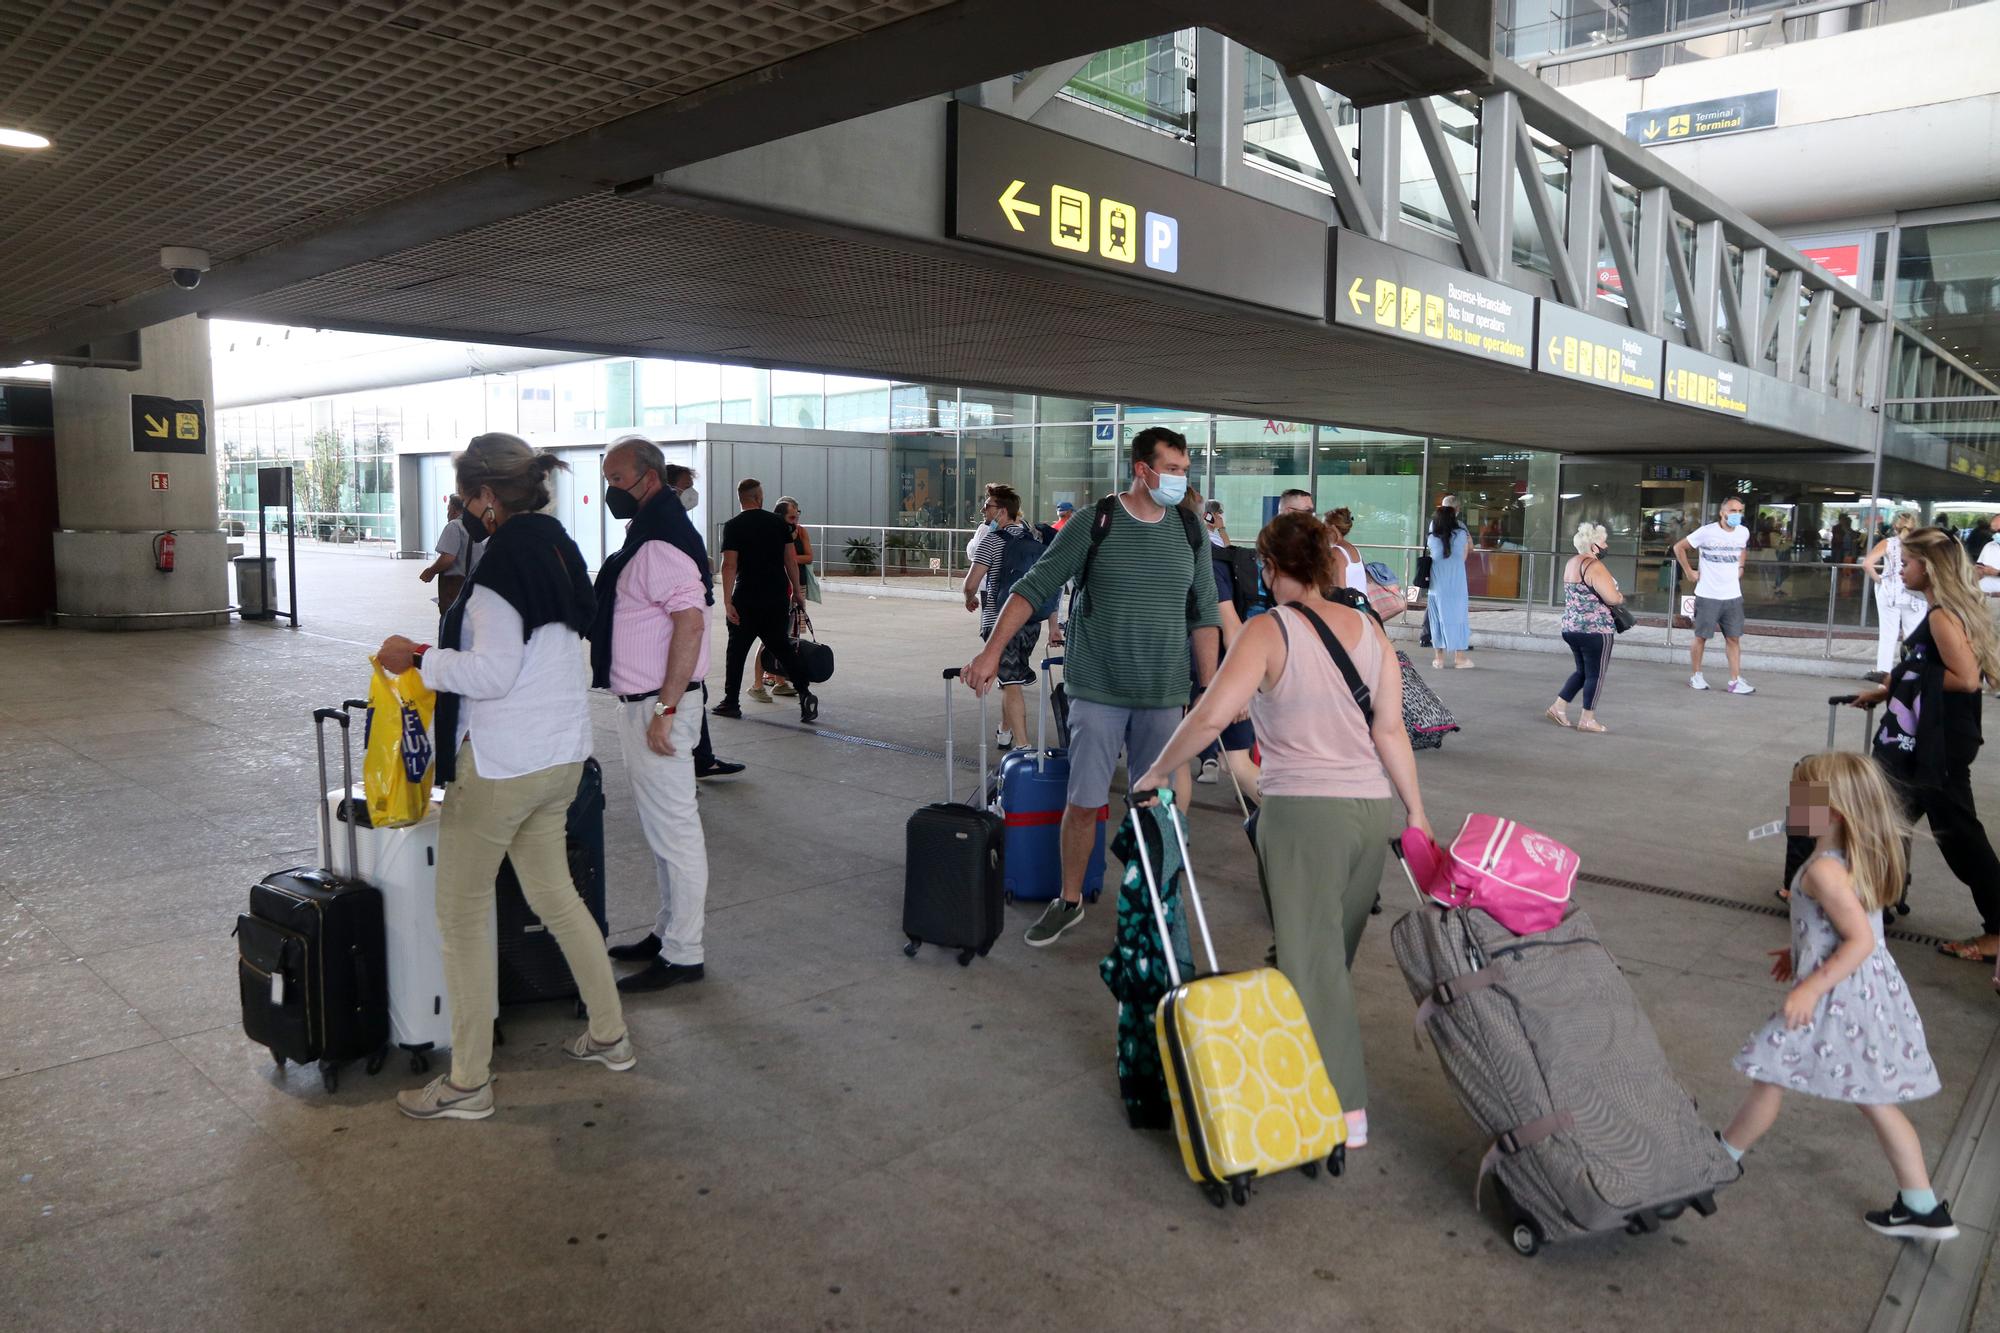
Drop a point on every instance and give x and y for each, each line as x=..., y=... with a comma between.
x=397, y=771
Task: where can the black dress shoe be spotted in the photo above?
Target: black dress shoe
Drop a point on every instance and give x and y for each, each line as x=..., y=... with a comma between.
x=808, y=706
x=727, y=708
x=660, y=974
x=638, y=951
x=721, y=768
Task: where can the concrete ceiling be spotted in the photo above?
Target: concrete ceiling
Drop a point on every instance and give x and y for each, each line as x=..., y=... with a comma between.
x=625, y=275
x=292, y=138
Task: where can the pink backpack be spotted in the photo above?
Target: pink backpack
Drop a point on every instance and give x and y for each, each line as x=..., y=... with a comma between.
x=1519, y=877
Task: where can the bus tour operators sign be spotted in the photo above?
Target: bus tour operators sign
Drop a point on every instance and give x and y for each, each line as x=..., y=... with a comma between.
x=1383, y=289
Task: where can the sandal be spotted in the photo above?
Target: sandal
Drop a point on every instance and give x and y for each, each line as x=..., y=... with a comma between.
x=1592, y=725
x=1561, y=719
x=1966, y=950
x=1437, y=664
x=1783, y=895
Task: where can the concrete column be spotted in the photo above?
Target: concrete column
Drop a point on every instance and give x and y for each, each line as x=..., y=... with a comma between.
x=110, y=512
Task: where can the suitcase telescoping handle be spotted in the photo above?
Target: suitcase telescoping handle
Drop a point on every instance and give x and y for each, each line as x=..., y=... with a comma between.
x=1165, y=796
x=322, y=716
x=1042, y=711
x=950, y=759
x=1833, y=706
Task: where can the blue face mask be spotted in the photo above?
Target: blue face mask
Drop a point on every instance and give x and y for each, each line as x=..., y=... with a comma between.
x=1733, y=520
x=1170, y=490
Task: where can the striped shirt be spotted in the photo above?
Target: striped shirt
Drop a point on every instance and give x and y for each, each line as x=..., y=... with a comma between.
x=657, y=581
x=1128, y=632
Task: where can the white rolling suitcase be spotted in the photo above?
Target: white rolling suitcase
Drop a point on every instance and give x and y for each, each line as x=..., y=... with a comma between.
x=402, y=864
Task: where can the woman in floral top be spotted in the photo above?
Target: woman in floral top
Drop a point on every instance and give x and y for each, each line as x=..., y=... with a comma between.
x=1589, y=593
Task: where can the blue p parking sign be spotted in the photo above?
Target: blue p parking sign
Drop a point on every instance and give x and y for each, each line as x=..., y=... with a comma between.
x=1163, y=243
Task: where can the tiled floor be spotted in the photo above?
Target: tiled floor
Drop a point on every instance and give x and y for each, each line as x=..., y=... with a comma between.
x=824, y=1133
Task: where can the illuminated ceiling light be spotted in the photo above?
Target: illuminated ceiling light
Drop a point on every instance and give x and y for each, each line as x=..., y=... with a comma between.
x=13, y=138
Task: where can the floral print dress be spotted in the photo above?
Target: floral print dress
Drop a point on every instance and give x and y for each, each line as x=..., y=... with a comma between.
x=1864, y=1042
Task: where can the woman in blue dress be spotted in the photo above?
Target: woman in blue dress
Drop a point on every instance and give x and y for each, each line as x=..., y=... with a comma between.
x=1450, y=611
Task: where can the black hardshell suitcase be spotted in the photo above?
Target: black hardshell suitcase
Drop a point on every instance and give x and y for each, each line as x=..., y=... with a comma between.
x=954, y=871
x=312, y=957
x=531, y=962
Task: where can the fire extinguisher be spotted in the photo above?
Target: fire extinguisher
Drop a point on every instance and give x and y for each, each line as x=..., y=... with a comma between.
x=163, y=552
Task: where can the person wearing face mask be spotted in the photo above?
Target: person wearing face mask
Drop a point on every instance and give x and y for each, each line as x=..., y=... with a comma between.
x=1718, y=590
x=1145, y=582
x=458, y=551
x=1589, y=593
x=648, y=646
x=513, y=731
x=670, y=523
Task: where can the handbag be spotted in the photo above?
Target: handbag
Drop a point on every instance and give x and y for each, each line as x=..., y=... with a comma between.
x=1622, y=618
x=1520, y=878
x=1423, y=578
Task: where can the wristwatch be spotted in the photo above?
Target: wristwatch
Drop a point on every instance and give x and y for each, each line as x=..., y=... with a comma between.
x=664, y=710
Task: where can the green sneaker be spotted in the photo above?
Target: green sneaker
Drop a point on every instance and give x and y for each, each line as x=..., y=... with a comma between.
x=1059, y=917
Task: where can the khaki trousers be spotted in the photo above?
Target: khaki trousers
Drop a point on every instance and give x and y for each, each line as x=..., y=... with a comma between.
x=484, y=820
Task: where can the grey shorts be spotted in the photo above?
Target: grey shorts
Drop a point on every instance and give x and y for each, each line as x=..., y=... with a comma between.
x=1017, y=656
x=1715, y=613
x=1098, y=732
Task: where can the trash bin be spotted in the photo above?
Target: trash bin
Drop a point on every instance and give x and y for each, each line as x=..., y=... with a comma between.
x=256, y=586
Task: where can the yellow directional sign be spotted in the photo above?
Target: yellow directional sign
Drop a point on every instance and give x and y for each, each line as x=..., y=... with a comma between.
x=1679, y=127
x=1652, y=131
x=1577, y=346
x=1069, y=219
x=1390, y=291
x=1695, y=379
x=162, y=425
x=1014, y=206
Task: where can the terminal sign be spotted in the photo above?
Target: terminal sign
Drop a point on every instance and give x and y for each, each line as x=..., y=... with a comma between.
x=1386, y=290
x=1576, y=346
x=1024, y=188
x=168, y=425
x=1695, y=379
x=1703, y=120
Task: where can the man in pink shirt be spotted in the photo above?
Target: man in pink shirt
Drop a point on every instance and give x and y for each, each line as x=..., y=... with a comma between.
x=657, y=633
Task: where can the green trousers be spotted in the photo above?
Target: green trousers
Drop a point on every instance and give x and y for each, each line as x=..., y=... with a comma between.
x=1321, y=862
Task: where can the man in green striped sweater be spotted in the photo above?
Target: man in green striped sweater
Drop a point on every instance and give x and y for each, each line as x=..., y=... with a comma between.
x=1145, y=585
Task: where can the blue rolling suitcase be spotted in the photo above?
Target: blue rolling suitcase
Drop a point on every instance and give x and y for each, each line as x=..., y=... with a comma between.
x=1033, y=788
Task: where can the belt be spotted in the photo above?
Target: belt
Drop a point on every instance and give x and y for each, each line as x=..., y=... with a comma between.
x=638, y=698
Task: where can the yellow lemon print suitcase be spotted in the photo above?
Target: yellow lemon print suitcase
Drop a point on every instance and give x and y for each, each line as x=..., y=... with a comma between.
x=1249, y=1091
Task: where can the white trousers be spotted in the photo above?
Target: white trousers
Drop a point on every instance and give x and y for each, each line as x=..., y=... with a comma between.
x=1898, y=611
x=663, y=789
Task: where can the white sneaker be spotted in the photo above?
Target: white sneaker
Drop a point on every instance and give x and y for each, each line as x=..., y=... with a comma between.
x=1741, y=686
x=1003, y=739
x=1357, y=1129
x=1209, y=768
x=1695, y=682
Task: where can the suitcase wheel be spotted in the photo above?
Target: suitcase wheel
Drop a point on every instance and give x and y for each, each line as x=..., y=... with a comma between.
x=329, y=1076
x=419, y=1063
x=910, y=949
x=376, y=1060
x=1336, y=1161
x=1527, y=1238
x=281, y=1061
x=985, y=949
x=965, y=956
x=1704, y=1204
x=1671, y=1211
x=499, y=1037
x=1240, y=1192
x=1310, y=1170
x=1641, y=1224
x=1216, y=1195
x=1902, y=909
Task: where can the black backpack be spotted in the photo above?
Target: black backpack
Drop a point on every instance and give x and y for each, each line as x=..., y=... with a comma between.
x=1246, y=577
x=1100, y=524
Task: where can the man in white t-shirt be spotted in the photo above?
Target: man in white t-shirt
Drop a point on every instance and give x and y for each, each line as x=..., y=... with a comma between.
x=1718, y=589
x=1989, y=569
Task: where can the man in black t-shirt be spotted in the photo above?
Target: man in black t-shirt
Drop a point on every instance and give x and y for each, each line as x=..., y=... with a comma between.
x=760, y=581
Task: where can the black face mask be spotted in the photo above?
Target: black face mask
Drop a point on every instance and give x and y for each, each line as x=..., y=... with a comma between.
x=475, y=529
x=619, y=502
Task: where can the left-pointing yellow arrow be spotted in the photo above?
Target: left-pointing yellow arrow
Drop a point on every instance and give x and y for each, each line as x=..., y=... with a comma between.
x=156, y=427
x=1555, y=348
x=1356, y=297
x=1013, y=206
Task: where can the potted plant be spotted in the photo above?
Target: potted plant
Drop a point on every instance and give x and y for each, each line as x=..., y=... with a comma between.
x=861, y=554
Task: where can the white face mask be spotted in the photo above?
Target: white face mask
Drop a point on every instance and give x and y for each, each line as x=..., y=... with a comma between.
x=1170, y=490
x=690, y=498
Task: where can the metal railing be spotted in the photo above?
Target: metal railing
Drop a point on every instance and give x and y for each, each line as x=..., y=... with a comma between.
x=1793, y=607
x=340, y=527
x=926, y=557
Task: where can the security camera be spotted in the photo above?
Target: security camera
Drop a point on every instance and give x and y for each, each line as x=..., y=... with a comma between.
x=185, y=263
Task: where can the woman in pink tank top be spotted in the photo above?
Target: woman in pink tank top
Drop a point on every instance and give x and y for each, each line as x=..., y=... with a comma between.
x=1330, y=767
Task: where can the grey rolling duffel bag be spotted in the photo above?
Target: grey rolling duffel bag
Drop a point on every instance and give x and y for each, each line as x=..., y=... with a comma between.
x=1548, y=1049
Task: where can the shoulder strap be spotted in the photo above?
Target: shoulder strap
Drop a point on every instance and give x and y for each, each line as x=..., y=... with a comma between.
x=1100, y=524
x=1363, y=699
x=1191, y=526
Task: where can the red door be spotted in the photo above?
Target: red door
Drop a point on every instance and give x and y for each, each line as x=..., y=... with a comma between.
x=27, y=526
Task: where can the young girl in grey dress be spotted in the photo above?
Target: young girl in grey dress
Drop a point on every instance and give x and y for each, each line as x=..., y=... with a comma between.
x=1848, y=1030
